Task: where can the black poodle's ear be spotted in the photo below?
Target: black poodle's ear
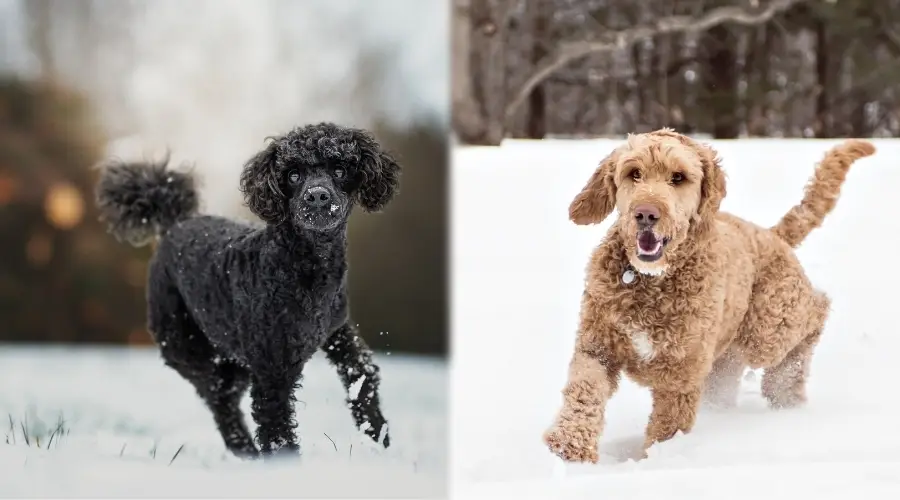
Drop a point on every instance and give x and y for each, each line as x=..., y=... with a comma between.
x=260, y=186
x=379, y=174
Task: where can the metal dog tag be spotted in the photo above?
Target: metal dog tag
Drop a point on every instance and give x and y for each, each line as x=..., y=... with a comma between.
x=628, y=276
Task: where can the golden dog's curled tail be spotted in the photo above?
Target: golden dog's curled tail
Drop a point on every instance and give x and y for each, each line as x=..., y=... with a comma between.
x=822, y=191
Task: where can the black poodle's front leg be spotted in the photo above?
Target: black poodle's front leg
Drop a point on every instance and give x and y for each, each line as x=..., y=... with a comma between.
x=348, y=352
x=273, y=411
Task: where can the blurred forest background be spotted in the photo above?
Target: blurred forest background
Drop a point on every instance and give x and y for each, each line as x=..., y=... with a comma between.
x=81, y=80
x=721, y=68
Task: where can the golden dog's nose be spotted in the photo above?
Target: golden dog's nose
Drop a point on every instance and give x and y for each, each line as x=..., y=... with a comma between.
x=646, y=214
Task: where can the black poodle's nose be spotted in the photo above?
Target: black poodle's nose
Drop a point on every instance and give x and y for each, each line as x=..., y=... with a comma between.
x=317, y=196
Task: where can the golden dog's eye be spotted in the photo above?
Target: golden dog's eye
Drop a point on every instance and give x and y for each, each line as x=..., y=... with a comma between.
x=677, y=178
x=635, y=174
x=293, y=177
x=339, y=173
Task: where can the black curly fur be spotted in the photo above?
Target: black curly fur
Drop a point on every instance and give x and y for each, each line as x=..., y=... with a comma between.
x=234, y=307
x=140, y=200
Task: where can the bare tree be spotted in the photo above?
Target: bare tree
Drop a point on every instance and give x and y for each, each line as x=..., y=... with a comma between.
x=609, y=41
x=468, y=121
x=727, y=68
x=480, y=85
x=538, y=15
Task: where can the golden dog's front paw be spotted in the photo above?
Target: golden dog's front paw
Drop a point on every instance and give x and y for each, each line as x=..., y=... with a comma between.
x=572, y=445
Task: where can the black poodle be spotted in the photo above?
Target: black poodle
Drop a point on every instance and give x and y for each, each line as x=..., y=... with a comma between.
x=233, y=306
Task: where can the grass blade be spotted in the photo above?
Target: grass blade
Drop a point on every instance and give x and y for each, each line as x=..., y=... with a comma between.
x=176, y=454
x=12, y=428
x=52, y=434
x=332, y=441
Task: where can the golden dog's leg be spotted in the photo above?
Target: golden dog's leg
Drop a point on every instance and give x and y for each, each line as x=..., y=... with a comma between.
x=573, y=437
x=724, y=381
x=673, y=411
x=784, y=385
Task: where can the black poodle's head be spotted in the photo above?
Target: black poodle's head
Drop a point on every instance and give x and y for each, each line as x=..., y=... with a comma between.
x=313, y=175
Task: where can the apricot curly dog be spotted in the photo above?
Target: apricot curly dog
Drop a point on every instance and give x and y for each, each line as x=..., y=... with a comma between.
x=682, y=297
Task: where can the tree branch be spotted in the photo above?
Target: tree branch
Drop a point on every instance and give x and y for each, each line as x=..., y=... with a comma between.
x=580, y=78
x=613, y=40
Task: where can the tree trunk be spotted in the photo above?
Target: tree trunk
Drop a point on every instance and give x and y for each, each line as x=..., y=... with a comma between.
x=656, y=94
x=536, y=126
x=638, y=55
x=491, y=28
x=859, y=121
x=756, y=73
x=679, y=95
x=720, y=81
x=824, y=121
x=637, y=95
x=467, y=119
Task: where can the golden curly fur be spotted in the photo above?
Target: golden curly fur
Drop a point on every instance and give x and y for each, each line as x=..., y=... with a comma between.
x=682, y=297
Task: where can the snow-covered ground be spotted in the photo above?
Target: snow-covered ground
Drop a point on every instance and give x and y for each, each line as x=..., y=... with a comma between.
x=127, y=415
x=518, y=268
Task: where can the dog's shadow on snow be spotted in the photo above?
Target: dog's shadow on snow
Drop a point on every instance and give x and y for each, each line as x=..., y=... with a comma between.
x=617, y=451
x=631, y=448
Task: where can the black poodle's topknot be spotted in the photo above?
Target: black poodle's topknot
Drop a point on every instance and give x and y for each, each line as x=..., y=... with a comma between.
x=140, y=200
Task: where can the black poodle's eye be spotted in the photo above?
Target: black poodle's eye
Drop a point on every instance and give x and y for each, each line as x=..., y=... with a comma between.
x=293, y=176
x=339, y=173
x=677, y=178
x=635, y=174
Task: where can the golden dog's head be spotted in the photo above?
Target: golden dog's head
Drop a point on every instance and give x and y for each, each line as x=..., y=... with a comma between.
x=667, y=189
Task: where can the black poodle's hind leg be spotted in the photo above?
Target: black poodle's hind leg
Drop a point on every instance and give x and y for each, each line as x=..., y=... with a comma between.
x=221, y=384
x=352, y=358
x=229, y=384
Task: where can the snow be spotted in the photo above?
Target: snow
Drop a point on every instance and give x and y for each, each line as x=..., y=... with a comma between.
x=121, y=404
x=518, y=268
x=353, y=392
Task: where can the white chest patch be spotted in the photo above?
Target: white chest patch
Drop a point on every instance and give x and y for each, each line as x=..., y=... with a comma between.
x=642, y=345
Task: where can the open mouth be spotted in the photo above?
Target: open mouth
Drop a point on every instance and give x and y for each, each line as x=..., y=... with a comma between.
x=650, y=246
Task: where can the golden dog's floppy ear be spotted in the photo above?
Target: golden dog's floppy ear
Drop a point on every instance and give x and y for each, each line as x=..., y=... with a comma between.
x=712, y=189
x=598, y=197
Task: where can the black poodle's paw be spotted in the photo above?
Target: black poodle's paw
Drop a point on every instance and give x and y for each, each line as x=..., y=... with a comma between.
x=284, y=452
x=376, y=428
x=386, y=441
x=246, y=453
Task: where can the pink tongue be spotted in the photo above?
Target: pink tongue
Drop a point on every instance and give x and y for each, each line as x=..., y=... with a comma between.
x=647, y=241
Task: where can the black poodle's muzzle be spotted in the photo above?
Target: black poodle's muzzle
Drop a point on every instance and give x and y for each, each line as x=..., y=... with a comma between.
x=319, y=207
